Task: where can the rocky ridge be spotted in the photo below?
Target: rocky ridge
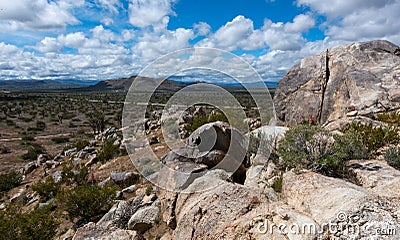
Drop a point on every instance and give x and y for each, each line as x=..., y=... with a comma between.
x=341, y=84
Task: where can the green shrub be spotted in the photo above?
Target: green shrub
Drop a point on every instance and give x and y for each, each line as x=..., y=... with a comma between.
x=9, y=181
x=10, y=123
x=4, y=150
x=374, y=137
x=391, y=118
x=311, y=147
x=28, y=138
x=392, y=157
x=47, y=189
x=40, y=126
x=81, y=144
x=59, y=140
x=200, y=120
x=86, y=202
x=219, y=116
x=277, y=184
x=77, y=176
x=24, y=119
x=35, y=225
x=109, y=151
x=149, y=189
x=350, y=146
x=34, y=150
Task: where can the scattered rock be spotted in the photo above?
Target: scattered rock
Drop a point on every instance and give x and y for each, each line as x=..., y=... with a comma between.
x=104, y=182
x=130, y=189
x=124, y=178
x=117, y=213
x=92, y=160
x=70, y=152
x=42, y=158
x=57, y=176
x=92, y=232
x=29, y=167
x=143, y=219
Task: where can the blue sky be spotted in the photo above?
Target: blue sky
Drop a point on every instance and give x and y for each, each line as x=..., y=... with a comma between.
x=106, y=39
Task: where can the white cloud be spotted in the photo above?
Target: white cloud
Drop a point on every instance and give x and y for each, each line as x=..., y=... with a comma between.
x=370, y=23
x=144, y=13
x=72, y=40
x=128, y=35
x=102, y=34
x=107, y=21
x=153, y=44
x=358, y=20
x=335, y=8
x=300, y=23
x=111, y=5
x=37, y=14
x=202, y=29
x=240, y=34
x=6, y=49
x=48, y=44
x=233, y=35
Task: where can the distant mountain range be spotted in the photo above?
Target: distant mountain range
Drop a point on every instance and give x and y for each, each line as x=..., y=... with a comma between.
x=122, y=84
x=35, y=84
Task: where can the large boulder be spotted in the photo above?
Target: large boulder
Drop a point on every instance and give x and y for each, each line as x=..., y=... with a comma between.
x=212, y=146
x=329, y=200
x=342, y=83
x=92, y=232
x=144, y=218
x=377, y=176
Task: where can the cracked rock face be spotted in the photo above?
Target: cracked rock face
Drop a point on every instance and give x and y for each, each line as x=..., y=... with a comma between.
x=342, y=83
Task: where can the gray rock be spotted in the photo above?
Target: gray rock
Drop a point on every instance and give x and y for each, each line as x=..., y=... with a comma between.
x=104, y=182
x=92, y=160
x=117, y=212
x=153, y=140
x=82, y=154
x=59, y=157
x=42, y=158
x=124, y=178
x=57, y=176
x=29, y=167
x=70, y=152
x=362, y=77
x=377, y=176
x=130, y=189
x=143, y=219
x=92, y=232
x=89, y=149
x=49, y=203
x=177, y=175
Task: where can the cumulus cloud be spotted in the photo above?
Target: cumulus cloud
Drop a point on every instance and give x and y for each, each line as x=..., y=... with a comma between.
x=240, y=34
x=144, y=13
x=370, y=23
x=202, y=29
x=111, y=5
x=153, y=44
x=300, y=23
x=102, y=34
x=232, y=35
x=335, y=8
x=107, y=21
x=37, y=14
x=358, y=20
